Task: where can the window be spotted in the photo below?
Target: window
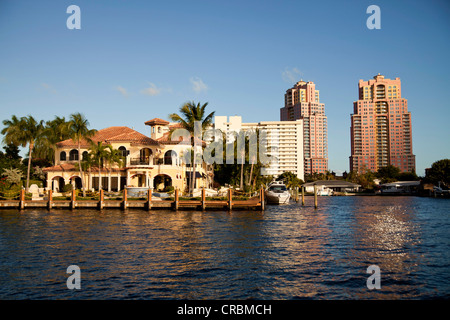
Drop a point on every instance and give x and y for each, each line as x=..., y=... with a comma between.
x=62, y=156
x=73, y=155
x=170, y=157
x=123, y=151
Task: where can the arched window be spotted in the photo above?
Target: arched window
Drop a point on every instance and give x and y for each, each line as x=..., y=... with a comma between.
x=170, y=157
x=144, y=155
x=85, y=155
x=123, y=151
x=62, y=156
x=73, y=155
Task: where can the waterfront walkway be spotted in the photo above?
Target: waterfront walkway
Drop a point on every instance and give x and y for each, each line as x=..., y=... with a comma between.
x=229, y=203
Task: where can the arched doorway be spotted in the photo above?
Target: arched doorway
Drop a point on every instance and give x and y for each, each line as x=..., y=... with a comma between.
x=57, y=184
x=161, y=182
x=76, y=182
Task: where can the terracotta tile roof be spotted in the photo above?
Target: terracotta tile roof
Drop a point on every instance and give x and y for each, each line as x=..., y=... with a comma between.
x=113, y=134
x=61, y=167
x=156, y=121
x=175, y=126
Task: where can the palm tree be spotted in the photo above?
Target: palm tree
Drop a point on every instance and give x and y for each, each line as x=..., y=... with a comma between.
x=78, y=131
x=86, y=164
x=193, y=118
x=113, y=157
x=252, y=153
x=99, y=153
x=21, y=132
x=242, y=155
x=55, y=130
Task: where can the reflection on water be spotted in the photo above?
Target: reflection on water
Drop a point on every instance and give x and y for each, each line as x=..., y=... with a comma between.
x=287, y=252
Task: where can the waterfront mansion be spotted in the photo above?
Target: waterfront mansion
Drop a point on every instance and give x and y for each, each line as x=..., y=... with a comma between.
x=152, y=162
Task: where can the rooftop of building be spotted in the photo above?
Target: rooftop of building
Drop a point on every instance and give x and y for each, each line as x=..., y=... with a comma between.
x=157, y=121
x=113, y=134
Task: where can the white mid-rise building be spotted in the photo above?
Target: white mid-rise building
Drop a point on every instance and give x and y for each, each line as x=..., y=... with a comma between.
x=284, y=142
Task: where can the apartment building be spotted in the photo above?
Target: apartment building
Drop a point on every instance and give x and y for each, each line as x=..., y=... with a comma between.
x=284, y=142
x=381, y=127
x=302, y=101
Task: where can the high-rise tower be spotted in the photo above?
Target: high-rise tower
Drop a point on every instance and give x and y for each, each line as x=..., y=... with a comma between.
x=302, y=102
x=381, y=127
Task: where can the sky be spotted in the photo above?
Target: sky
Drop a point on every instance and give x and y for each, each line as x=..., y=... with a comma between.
x=132, y=61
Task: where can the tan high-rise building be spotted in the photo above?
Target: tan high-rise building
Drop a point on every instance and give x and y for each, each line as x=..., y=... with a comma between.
x=302, y=102
x=381, y=127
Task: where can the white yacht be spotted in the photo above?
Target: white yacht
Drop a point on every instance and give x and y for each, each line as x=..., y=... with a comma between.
x=277, y=193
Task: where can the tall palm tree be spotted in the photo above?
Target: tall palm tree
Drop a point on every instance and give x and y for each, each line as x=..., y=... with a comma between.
x=78, y=127
x=99, y=153
x=242, y=156
x=252, y=152
x=86, y=164
x=191, y=115
x=55, y=130
x=22, y=132
x=113, y=157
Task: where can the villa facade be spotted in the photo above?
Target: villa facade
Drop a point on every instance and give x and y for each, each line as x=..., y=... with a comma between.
x=150, y=162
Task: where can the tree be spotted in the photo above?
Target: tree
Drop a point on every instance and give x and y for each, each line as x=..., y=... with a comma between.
x=55, y=130
x=439, y=172
x=290, y=179
x=13, y=175
x=388, y=174
x=408, y=176
x=192, y=115
x=113, y=157
x=86, y=165
x=11, y=158
x=22, y=132
x=78, y=128
x=99, y=152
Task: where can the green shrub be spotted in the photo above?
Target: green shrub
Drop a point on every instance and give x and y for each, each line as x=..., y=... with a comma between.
x=67, y=188
x=169, y=189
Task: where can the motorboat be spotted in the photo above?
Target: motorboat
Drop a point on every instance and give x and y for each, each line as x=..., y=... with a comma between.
x=277, y=193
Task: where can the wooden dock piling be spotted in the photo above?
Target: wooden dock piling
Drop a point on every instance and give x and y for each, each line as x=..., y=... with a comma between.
x=101, y=202
x=262, y=199
x=177, y=199
x=303, y=196
x=22, y=199
x=73, y=200
x=149, y=199
x=125, y=199
x=203, y=199
x=315, y=196
x=50, y=199
x=230, y=200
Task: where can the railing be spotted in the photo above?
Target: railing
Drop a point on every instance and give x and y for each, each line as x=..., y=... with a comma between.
x=139, y=162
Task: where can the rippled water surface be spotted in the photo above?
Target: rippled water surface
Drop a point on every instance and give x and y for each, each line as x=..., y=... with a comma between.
x=286, y=252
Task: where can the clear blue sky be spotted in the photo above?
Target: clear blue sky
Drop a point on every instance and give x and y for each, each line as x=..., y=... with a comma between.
x=136, y=60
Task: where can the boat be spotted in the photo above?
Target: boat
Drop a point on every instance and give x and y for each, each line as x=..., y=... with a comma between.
x=277, y=193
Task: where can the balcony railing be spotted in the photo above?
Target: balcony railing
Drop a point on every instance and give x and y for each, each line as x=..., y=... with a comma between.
x=139, y=161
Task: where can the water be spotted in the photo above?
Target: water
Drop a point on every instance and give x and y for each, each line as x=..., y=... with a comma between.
x=287, y=252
